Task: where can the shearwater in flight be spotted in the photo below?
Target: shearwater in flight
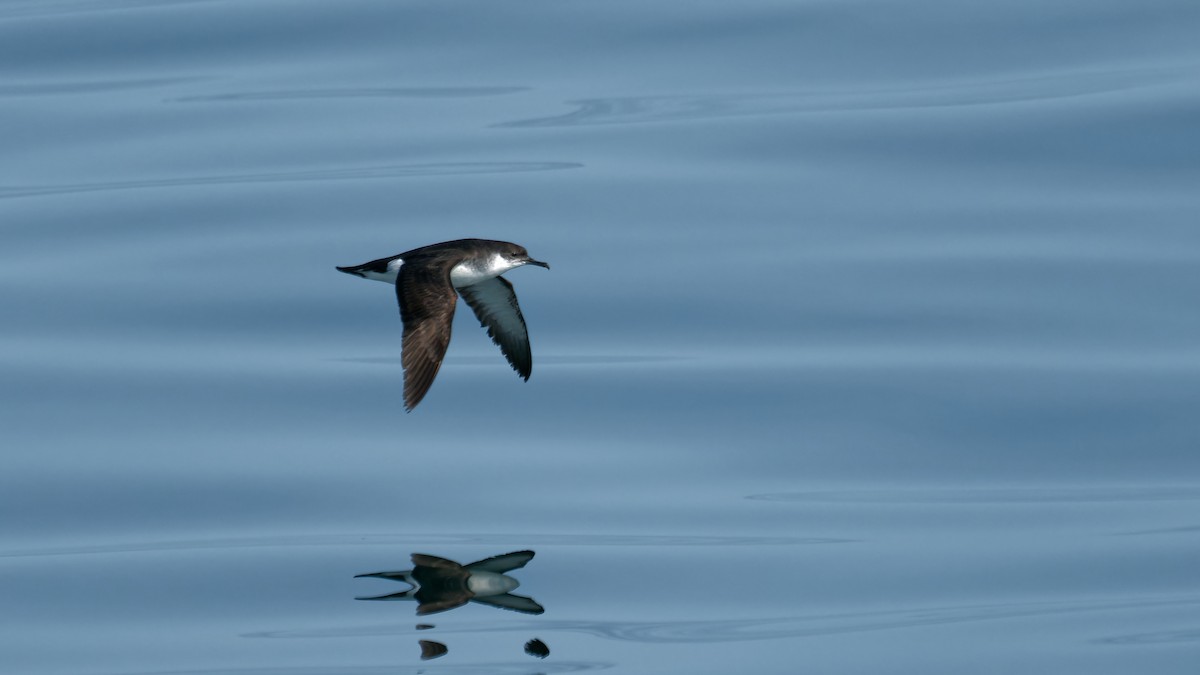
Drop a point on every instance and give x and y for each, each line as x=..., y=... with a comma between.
x=428, y=281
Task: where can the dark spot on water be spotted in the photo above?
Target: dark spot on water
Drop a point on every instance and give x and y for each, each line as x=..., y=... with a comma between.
x=536, y=647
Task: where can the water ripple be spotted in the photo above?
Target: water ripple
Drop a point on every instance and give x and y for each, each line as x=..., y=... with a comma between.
x=1188, y=529
x=742, y=630
x=465, y=669
x=618, y=540
x=650, y=109
x=353, y=92
x=38, y=8
x=351, y=173
x=1155, y=638
x=88, y=87
x=992, y=495
x=549, y=360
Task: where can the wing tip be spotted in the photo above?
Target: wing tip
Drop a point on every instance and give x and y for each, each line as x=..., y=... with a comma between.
x=523, y=371
x=413, y=398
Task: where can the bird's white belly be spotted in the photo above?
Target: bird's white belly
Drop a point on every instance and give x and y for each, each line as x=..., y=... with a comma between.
x=462, y=274
x=465, y=273
x=490, y=583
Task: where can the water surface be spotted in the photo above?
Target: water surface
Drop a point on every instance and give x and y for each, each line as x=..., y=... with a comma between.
x=870, y=343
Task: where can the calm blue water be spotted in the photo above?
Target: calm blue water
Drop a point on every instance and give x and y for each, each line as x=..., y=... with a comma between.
x=871, y=341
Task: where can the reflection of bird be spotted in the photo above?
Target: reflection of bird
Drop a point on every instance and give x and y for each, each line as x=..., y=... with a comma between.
x=536, y=647
x=439, y=584
x=431, y=649
x=428, y=281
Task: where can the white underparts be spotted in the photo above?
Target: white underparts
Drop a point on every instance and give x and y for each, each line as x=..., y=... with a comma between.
x=473, y=272
x=462, y=274
x=388, y=277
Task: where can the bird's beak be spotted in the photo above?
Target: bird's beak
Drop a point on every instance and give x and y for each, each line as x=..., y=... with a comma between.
x=539, y=263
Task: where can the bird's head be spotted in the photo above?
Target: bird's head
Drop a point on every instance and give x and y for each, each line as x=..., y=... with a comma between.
x=519, y=256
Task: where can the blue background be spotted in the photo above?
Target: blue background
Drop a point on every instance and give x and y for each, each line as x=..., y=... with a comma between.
x=870, y=342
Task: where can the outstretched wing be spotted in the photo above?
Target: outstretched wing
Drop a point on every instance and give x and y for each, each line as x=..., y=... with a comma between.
x=427, y=308
x=502, y=563
x=517, y=603
x=495, y=305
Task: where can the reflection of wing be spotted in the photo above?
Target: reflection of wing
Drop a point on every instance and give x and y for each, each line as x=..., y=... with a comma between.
x=442, y=584
x=426, y=560
x=394, y=576
x=440, y=602
x=502, y=563
x=402, y=595
x=517, y=603
x=431, y=649
x=427, y=308
x=536, y=647
x=495, y=305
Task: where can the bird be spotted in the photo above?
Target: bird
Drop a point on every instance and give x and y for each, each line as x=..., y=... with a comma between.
x=439, y=584
x=428, y=281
